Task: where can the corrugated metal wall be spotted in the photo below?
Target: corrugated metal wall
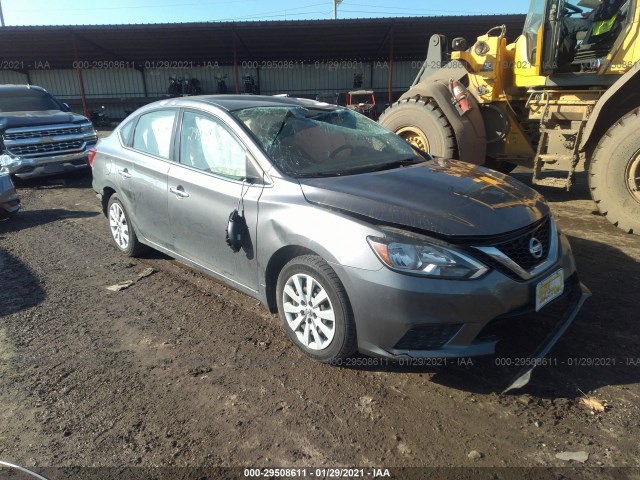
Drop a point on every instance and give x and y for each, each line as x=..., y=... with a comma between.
x=122, y=90
x=9, y=76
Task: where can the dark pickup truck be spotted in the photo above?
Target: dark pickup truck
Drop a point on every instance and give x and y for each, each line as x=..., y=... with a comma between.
x=39, y=135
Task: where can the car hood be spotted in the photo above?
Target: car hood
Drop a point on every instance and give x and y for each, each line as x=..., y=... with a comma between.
x=444, y=197
x=30, y=119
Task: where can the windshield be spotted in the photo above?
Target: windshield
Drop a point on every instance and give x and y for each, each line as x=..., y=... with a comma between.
x=367, y=99
x=27, y=100
x=317, y=142
x=532, y=28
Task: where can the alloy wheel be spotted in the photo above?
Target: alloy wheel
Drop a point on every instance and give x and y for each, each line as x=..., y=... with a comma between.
x=308, y=311
x=119, y=225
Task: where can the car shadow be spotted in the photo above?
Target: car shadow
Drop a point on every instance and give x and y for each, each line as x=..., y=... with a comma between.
x=601, y=348
x=20, y=288
x=25, y=219
x=77, y=179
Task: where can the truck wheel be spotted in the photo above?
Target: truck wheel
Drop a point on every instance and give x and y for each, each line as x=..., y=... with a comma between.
x=423, y=125
x=614, y=174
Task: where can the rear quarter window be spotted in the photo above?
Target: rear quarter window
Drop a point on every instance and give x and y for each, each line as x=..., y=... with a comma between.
x=154, y=132
x=125, y=133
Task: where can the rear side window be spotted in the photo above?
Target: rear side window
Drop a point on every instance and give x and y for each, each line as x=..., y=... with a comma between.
x=153, y=133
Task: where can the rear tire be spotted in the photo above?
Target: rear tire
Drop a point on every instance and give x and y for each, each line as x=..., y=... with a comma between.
x=614, y=174
x=423, y=125
x=122, y=232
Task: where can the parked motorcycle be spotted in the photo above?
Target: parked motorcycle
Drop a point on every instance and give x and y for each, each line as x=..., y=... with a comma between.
x=99, y=118
x=183, y=87
x=222, y=84
x=250, y=85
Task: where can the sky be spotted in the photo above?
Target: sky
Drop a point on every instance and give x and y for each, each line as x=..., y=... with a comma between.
x=79, y=12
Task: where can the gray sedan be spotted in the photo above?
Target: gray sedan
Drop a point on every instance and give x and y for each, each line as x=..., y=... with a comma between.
x=358, y=240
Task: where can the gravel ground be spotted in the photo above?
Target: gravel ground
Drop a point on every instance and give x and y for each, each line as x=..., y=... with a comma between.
x=181, y=371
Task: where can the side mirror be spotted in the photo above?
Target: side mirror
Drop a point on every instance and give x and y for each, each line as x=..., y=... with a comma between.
x=459, y=44
x=66, y=107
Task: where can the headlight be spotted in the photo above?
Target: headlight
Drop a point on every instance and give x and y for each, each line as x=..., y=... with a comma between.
x=87, y=128
x=422, y=257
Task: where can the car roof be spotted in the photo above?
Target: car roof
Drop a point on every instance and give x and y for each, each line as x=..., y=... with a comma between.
x=17, y=88
x=238, y=102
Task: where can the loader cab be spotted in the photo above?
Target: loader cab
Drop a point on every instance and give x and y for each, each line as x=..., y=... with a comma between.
x=563, y=37
x=533, y=29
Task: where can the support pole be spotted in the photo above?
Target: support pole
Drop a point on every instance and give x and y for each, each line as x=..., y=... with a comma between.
x=1, y=15
x=83, y=97
x=391, y=70
x=143, y=72
x=371, y=73
x=235, y=64
x=335, y=8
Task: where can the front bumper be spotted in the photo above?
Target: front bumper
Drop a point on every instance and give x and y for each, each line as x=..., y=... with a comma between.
x=406, y=317
x=577, y=297
x=25, y=168
x=9, y=201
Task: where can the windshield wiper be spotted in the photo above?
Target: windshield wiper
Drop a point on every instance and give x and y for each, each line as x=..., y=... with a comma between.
x=286, y=118
x=364, y=169
x=385, y=166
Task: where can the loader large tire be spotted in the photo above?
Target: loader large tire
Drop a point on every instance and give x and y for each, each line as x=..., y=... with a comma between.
x=423, y=125
x=614, y=174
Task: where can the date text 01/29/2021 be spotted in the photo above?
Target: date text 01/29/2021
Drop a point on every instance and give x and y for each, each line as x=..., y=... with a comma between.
x=317, y=472
x=403, y=362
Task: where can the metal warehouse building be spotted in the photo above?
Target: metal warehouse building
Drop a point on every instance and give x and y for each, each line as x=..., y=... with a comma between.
x=126, y=66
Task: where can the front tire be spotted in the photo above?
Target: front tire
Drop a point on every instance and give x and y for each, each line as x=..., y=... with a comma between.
x=121, y=229
x=614, y=174
x=315, y=310
x=423, y=125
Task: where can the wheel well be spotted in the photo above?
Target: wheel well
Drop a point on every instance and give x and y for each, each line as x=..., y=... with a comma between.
x=108, y=191
x=622, y=102
x=276, y=263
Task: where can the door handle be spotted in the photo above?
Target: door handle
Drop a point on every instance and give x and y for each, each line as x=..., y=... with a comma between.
x=124, y=173
x=179, y=192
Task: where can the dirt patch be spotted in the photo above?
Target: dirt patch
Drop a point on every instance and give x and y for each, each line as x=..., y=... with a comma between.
x=178, y=370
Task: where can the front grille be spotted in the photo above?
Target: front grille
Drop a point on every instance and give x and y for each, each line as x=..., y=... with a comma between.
x=518, y=248
x=428, y=337
x=51, y=132
x=45, y=148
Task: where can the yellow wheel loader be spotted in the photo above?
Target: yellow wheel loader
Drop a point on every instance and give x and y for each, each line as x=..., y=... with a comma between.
x=565, y=96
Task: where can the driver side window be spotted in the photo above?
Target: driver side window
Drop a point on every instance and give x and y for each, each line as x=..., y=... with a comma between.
x=207, y=145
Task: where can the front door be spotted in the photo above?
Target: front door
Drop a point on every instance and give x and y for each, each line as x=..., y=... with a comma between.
x=205, y=186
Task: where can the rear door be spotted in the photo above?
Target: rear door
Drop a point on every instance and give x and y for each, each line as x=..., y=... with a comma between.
x=143, y=178
x=205, y=186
